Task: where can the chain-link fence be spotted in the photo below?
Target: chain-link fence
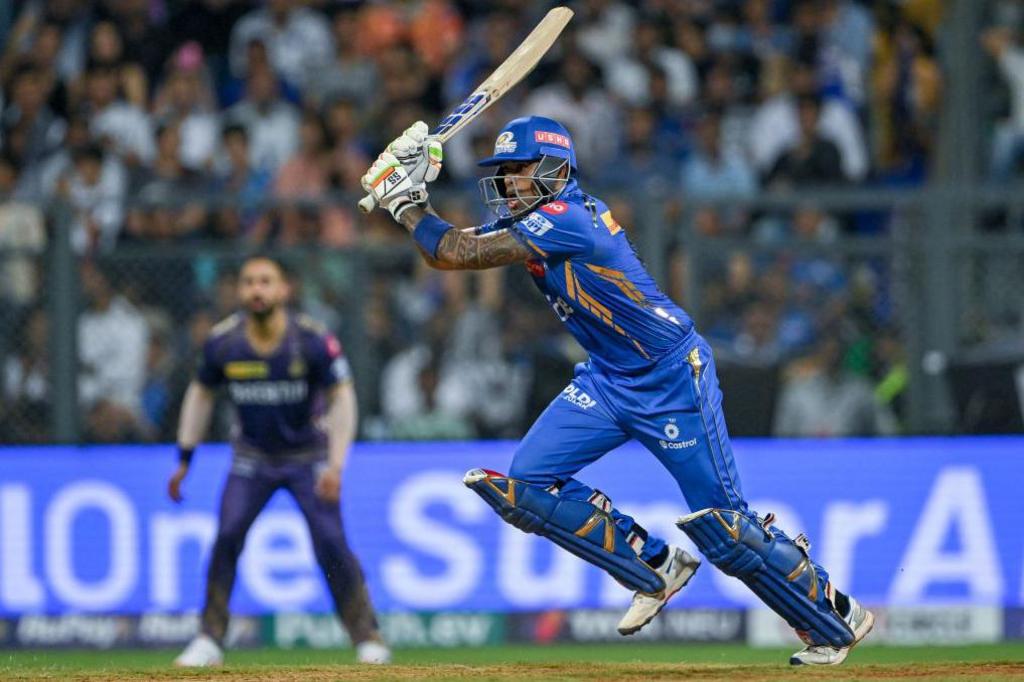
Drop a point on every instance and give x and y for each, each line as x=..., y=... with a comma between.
x=827, y=318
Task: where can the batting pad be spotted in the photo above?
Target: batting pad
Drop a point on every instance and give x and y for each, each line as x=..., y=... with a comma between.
x=579, y=527
x=774, y=567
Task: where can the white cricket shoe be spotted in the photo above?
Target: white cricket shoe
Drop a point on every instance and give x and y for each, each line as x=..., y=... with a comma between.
x=677, y=570
x=201, y=652
x=860, y=621
x=373, y=652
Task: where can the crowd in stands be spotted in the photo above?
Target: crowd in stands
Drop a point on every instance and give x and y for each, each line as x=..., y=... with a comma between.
x=172, y=131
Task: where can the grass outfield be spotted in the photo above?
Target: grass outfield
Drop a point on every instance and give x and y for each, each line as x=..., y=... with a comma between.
x=559, y=662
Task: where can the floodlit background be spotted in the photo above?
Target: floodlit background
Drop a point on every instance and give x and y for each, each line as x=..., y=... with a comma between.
x=829, y=187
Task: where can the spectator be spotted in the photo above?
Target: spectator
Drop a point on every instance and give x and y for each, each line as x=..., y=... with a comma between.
x=577, y=101
x=298, y=40
x=813, y=160
x=94, y=186
x=119, y=125
x=1008, y=141
x=628, y=77
x=169, y=195
x=606, y=30
x=187, y=100
x=146, y=40
x=48, y=172
x=271, y=123
x=23, y=231
x=847, y=34
x=26, y=386
x=775, y=125
x=639, y=160
x=43, y=57
x=304, y=177
x=907, y=97
x=713, y=171
x=156, y=393
x=112, y=344
x=423, y=395
x=348, y=154
x=243, y=182
x=826, y=400
x=41, y=25
x=30, y=129
x=106, y=46
x=350, y=75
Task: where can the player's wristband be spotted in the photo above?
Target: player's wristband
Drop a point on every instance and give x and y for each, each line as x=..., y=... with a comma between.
x=185, y=455
x=428, y=233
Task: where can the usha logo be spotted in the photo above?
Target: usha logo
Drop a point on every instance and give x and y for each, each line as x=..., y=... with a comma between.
x=544, y=137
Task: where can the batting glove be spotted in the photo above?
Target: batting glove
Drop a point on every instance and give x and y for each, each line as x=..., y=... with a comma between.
x=389, y=182
x=420, y=153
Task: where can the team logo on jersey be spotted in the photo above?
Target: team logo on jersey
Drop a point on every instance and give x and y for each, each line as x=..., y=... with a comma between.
x=297, y=367
x=579, y=398
x=537, y=224
x=555, y=207
x=506, y=143
x=544, y=137
x=671, y=431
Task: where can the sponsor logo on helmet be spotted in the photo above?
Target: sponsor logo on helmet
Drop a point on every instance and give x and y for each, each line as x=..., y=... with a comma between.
x=555, y=207
x=544, y=137
x=506, y=143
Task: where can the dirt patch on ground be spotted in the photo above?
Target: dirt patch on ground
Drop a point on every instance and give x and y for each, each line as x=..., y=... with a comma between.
x=959, y=672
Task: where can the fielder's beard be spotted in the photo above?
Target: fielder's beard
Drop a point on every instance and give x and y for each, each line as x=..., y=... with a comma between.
x=261, y=315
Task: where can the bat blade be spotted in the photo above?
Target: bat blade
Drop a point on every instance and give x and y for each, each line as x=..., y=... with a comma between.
x=515, y=68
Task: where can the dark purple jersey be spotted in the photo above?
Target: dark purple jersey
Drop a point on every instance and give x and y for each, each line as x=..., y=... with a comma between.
x=277, y=396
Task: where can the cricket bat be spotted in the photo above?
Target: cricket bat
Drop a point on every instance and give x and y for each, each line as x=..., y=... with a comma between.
x=514, y=69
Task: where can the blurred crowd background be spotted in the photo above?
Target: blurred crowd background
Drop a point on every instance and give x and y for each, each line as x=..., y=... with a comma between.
x=775, y=161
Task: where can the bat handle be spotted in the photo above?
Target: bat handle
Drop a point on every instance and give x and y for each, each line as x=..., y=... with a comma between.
x=367, y=203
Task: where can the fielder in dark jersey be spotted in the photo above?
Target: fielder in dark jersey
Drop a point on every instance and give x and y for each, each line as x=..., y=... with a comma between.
x=283, y=373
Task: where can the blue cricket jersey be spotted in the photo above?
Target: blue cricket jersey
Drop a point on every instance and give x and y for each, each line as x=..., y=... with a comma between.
x=594, y=280
x=277, y=396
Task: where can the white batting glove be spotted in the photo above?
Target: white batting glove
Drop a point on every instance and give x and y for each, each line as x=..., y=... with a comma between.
x=391, y=186
x=419, y=152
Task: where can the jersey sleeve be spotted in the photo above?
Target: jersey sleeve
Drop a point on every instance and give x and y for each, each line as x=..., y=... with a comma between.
x=328, y=365
x=210, y=369
x=499, y=224
x=556, y=230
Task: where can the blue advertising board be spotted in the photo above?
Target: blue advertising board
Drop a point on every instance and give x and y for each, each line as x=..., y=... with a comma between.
x=921, y=521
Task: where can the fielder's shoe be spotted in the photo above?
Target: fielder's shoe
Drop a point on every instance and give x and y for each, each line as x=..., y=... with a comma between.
x=860, y=621
x=677, y=570
x=201, y=652
x=374, y=652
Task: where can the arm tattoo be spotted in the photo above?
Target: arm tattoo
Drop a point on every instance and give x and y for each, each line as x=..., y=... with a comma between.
x=478, y=252
x=467, y=251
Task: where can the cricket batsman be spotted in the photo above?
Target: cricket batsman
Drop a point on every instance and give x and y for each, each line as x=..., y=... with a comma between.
x=284, y=373
x=650, y=376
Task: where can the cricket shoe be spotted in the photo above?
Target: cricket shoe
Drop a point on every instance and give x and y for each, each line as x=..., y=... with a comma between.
x=676, y=571
x=860, y=621
x=201, y=652
x=373, y=652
